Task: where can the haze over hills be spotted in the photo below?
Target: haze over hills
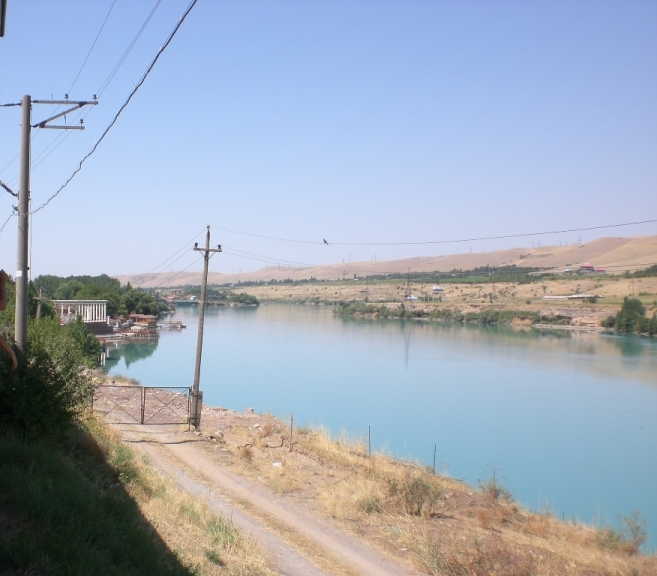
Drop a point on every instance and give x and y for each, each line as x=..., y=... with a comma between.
x=614, y=254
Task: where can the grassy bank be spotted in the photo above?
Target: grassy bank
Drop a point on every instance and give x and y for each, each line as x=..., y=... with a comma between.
x=439, y=525
x=89, y=505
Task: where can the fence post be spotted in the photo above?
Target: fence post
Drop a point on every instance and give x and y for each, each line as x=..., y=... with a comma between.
x=143, y=402
x=291, y=424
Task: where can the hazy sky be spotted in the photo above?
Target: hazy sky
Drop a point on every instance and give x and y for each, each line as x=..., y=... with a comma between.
x=351, y=121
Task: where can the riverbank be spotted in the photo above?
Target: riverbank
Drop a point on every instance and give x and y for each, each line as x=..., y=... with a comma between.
x=504, y=303
x=429, y=522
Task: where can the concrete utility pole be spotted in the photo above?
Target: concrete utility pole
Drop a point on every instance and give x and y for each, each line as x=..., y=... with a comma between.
x=197, y=395
x=24, y=203
x=23, y=223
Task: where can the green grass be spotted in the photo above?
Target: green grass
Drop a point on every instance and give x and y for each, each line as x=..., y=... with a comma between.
x=65, y=510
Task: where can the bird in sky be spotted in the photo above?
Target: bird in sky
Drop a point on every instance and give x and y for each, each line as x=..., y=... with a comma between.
x=325, y=242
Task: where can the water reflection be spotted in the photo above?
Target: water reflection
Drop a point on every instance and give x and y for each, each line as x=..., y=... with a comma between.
x=605, y=355
x=130, y=352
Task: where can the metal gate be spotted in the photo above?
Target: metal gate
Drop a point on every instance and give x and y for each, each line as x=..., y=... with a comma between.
x=143, y=404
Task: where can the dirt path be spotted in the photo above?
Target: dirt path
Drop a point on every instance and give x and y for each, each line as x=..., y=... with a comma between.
x=301, y=542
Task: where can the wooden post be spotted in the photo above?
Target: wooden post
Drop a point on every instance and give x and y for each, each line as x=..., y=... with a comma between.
x=434, y=459
x=291, y=424
x=369, y=440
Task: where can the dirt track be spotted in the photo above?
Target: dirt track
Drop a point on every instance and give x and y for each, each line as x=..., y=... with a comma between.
x=297, y=539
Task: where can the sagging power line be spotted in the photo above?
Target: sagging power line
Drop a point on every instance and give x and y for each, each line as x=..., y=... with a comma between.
x=122, y=108
x=428, y=242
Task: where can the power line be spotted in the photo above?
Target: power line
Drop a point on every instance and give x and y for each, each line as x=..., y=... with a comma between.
x=109, y=78
x=241, y=253
x=170, y=279
x=116, y=117
x=456, y=241
x=7, y=221
x=166, y=262
x=92, y=47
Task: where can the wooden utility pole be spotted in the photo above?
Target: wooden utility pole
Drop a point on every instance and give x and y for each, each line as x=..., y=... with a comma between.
x=38, y=312
x=197, y=395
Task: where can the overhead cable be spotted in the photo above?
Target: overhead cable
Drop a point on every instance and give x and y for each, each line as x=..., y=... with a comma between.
x=116, y=117
x=235, y=252
x=111, y=75
x=456, y=241
x=186, y=245
x=7, y=222
x=92, y=47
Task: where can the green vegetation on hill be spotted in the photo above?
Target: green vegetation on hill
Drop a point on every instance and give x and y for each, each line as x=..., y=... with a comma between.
x=651, y=271
x=120, y=299
x=445, y=314
x=214, y=296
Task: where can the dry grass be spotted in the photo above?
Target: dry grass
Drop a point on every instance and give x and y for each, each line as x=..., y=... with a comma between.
x=203, y=541
x=439, y=525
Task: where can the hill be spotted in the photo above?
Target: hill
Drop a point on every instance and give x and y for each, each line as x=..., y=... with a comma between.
x=615, y=254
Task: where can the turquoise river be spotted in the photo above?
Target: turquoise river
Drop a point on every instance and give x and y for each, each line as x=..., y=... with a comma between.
x=568, y=419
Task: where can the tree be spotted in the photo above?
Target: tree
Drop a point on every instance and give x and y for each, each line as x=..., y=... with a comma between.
x=632, y=317
x=68, y=290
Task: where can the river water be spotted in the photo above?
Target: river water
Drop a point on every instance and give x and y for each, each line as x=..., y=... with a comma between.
x=569, y=420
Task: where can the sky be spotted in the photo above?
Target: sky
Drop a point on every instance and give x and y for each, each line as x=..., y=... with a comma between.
x=355, y=122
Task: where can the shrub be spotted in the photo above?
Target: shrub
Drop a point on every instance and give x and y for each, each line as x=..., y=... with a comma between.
x=629, y=539
x=50, y=387
x=416, y=494
x=493, y=489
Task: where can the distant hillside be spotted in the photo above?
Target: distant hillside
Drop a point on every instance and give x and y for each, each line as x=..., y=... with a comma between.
x=616, y=254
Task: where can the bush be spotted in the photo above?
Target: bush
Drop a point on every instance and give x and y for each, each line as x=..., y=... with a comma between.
x=632, y=317
x=493, y=489
x=416, y=495
x=50, y=387
x=629, y=539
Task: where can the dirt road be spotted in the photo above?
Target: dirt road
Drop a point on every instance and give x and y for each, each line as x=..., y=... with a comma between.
x=298, y=540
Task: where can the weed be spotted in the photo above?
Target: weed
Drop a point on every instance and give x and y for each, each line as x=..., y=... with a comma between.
x=416, y=494
x=246, y=453
x=629, y=539
x=493, y=489
x=482, y=557
x=369, y=505
x=213, y=556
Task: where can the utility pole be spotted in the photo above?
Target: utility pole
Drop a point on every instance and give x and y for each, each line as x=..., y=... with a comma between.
x=23, y=223
x=197, y=395
x=24, y=202
x=38, y=312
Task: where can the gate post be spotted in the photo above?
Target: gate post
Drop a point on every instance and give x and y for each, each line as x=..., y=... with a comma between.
x=143, y=402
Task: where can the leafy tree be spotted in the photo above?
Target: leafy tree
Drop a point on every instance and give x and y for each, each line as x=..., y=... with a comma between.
x=632, y=317
x=140, y=302
x=68, y=290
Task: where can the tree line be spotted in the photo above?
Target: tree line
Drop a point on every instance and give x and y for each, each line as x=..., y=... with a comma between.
x=121, y=300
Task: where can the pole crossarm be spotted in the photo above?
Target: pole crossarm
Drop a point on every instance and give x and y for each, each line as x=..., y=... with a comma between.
x=76, y=106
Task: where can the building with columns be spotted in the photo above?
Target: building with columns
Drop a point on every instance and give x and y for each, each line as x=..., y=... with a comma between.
x=90, y=311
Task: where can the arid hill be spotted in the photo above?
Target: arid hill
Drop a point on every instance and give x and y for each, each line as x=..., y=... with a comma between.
x=614, y=254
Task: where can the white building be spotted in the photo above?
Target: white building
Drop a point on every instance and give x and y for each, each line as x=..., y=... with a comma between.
x=91, y=311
